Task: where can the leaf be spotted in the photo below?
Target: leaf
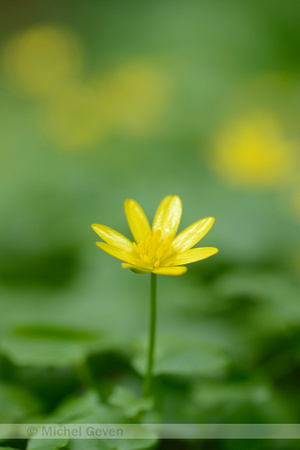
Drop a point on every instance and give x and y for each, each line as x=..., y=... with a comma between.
x=240, y=401
x=89, y=444
x=7, y=448
x=130, y=404
x=86, y=408
x=47, y=444
x=17, y=404
x=274, y=300
x=134, y=444
x=180, y=355
x=44, y=345
x=112, y=444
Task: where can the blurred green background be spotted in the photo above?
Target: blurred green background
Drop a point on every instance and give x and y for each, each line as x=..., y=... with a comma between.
x=103, y=101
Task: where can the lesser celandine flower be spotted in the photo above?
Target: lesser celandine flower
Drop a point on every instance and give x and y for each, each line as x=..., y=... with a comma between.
x=156, y=250
x=254, y=151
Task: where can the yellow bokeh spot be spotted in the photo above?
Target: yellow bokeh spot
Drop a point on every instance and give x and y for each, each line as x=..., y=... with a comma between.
x=132, y=100
x=138, y=97
x=76, y=119
x=253, y=151
x=44, y=63
x=39, y=61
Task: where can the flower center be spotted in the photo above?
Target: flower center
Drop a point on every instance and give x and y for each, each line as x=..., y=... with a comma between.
x=152, y=251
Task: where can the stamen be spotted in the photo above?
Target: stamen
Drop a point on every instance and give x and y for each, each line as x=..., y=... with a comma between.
x=158, y=234
x=151, y=251
x=151, y=247
x=159, y=252
x=141, y=247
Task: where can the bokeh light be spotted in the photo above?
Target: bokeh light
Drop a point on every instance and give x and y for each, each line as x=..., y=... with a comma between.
x=253, y=151
x=40, y=60
x=139, y=95
x=130, y=100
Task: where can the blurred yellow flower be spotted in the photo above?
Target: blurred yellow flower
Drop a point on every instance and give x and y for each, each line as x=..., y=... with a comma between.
x=253, y=151
x=130, y=99
x=156, y=249
x=138, y=97
x=43, y=58
x=45, y=61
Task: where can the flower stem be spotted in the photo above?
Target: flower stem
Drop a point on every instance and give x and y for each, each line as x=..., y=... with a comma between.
x=152, y=329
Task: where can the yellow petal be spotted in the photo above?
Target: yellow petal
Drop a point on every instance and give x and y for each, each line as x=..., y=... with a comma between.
x=137, y=220
x=191, y=235
x=168, y=216
x=175, y=271
x=189, y=256
x=135, y=268
x=112, y=237
x=118, y=253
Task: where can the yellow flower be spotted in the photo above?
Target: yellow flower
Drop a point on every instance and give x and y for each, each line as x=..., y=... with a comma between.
x=157, y=250
x=253, y=151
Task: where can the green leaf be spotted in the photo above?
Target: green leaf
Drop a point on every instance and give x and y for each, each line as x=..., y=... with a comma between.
x=112, y=444
x=7, y=448
x=180, y=355
x=44, y=345
x=274, y=300
x=17, y=404
x=47, y=444
x=134, y=444
x=86, y=408
x=242, y=401
x=129, y=403
x=89, y=444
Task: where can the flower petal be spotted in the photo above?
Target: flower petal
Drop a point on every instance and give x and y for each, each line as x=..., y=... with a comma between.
x=112, y=237
x=118, y=253
x=168, y=216
x=175, y=271
x=189, y=256
x=191, y=235
x=137, y=220
x=135, y=268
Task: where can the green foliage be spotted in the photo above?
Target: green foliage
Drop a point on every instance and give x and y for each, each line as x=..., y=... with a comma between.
x=128, y=402
x=154, y=82
x=184, y=355
x=17, y=404
x=47, y=444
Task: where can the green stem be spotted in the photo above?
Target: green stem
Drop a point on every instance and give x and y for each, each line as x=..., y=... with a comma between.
x=152, y=328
